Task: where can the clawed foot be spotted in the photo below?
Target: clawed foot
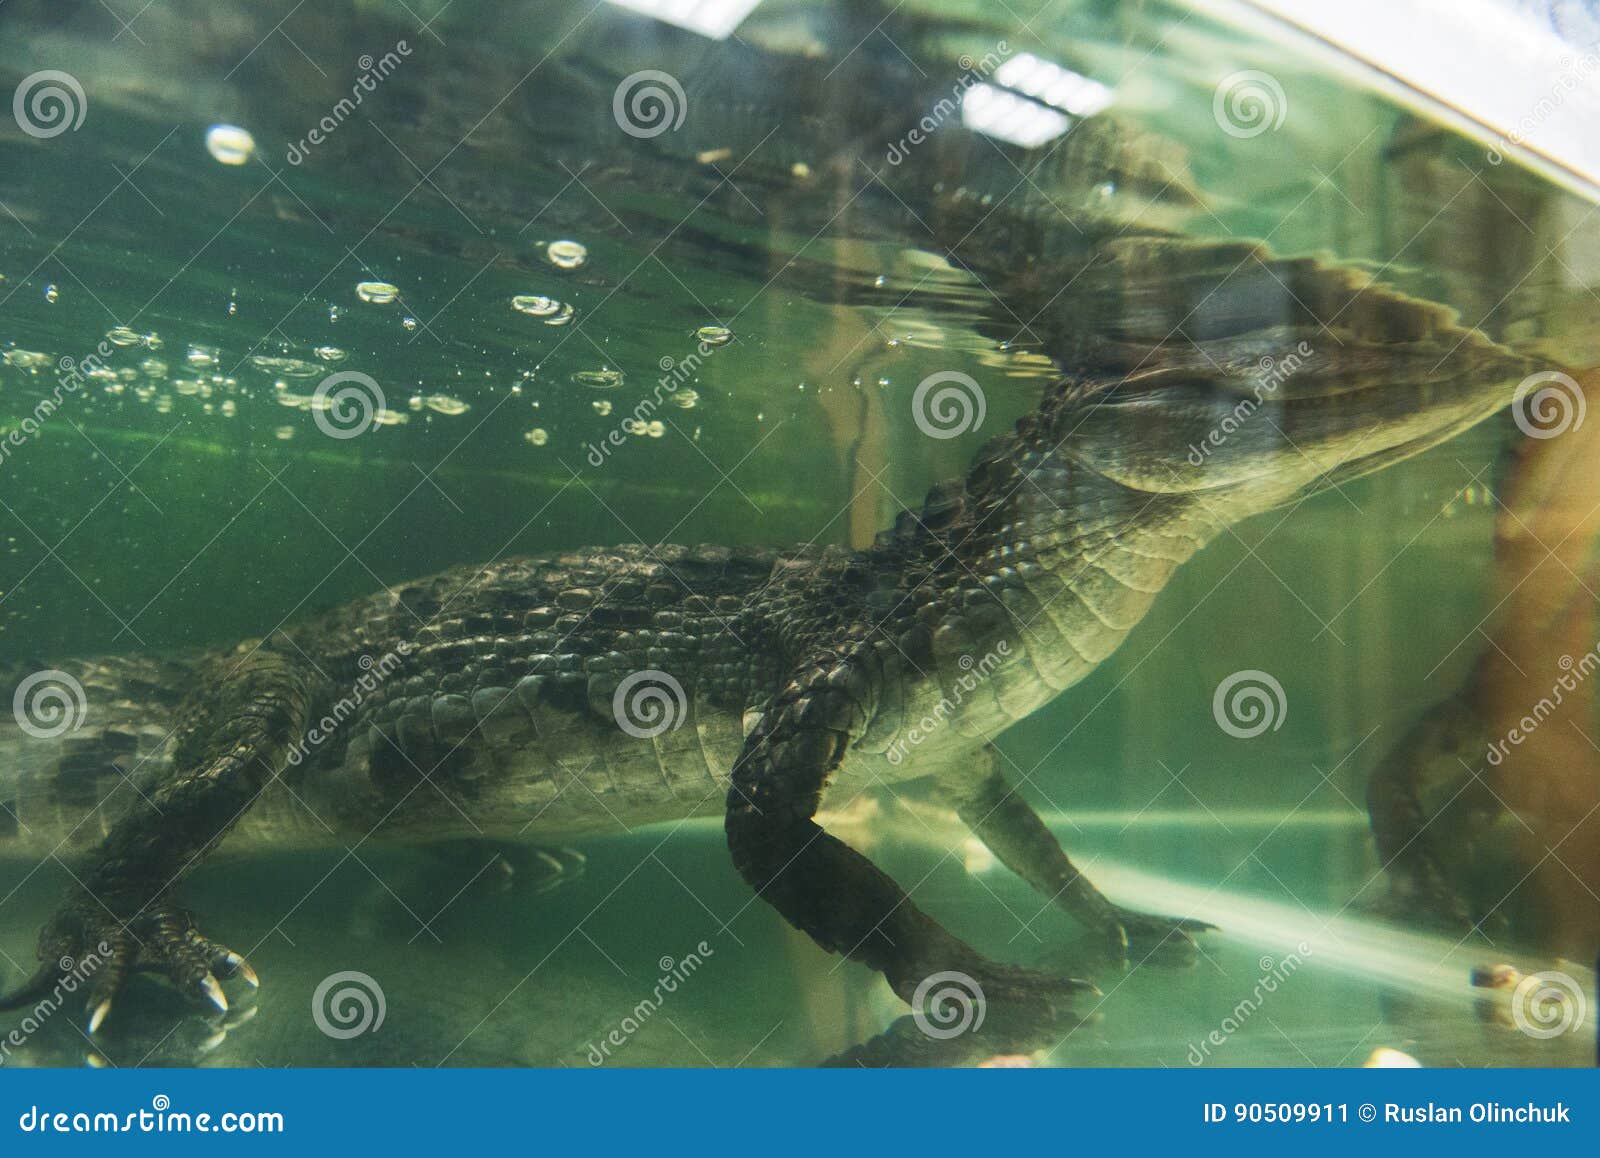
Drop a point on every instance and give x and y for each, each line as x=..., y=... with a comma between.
x=1133, y=938
x=85, y=947
x=962, y=1016
x=981, y=989
x=1020, y=993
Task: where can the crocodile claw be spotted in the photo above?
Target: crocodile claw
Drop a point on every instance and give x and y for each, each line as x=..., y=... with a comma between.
x=98, y=1016
x=1149, y=939
x=86, y=943
x=214, y=994
x=235, y=965
x=981, y=989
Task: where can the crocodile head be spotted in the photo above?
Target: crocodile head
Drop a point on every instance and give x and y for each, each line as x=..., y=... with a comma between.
x=1244, y=416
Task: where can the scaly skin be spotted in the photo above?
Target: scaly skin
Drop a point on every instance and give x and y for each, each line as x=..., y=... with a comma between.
x=482, y=700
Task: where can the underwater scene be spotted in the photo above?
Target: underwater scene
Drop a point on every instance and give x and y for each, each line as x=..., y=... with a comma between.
x=621, y=533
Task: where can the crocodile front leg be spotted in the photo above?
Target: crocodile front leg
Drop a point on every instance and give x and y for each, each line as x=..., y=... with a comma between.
x=824, y=887
x=988, y=803
x=124, y=916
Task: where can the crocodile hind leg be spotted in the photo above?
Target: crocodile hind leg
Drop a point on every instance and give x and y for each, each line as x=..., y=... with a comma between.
x=123, y=916
x=1429, y=808
x=989, y=805
x=829, y=890
x=1420, y=885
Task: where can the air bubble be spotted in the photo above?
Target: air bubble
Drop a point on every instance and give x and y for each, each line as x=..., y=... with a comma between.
x=230, y=144
x=554, y=313
x=292, y=367
x=605, y=379
x=445, y=404
x=566, y=254
x=537, y=305
x=379, y=293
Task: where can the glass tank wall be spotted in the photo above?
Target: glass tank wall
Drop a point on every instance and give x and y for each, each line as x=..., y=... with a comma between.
x=299, y=303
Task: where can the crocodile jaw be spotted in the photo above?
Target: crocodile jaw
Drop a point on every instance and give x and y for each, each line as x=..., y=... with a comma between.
x=1241, y=446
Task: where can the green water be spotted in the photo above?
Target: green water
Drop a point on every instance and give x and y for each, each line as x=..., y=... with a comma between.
x=187, y=497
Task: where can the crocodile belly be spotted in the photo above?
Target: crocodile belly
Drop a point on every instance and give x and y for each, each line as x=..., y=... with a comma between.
x=527, y=762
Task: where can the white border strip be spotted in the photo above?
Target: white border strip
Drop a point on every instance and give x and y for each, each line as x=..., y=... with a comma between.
x=1518, y=88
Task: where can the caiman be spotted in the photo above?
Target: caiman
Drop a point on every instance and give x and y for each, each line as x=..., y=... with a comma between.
x=539, y=698
x=542, y=697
